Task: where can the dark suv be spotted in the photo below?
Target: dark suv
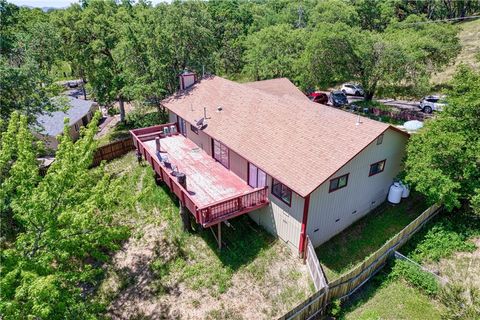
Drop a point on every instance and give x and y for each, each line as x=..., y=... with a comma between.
x=338, y=99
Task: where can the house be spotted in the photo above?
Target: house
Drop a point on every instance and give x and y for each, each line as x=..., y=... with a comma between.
x=78, y=111
x=263, y=148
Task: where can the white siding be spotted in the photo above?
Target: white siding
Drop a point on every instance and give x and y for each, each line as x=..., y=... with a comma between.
x=281, y=220
x=362, y=193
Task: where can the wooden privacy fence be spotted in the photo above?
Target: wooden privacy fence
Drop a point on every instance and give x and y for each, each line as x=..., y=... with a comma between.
x=112, y=150
x=314, y=267
x=348, y=283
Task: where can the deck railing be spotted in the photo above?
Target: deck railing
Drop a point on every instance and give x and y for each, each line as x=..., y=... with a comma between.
x=206, y=215
x=229, y=208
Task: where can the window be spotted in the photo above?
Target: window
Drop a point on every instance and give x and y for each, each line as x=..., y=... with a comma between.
x=281, y=191
x=338, y=183
x=380, y=139
x=377, y=167
x=182, y=126
x=256, y=177
x=76, y=127
x=220, y=153
x=194, y=129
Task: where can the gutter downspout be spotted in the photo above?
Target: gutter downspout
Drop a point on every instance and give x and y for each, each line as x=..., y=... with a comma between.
x=303, y=232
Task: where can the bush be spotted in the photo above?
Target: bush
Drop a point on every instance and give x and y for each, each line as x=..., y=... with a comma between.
x=415, y=276
x=446, y=234
x=112, y=111
x=334, y=308
x=139, y=119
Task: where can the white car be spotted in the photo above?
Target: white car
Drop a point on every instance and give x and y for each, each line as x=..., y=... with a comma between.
x=352, y=89
x=432, y=103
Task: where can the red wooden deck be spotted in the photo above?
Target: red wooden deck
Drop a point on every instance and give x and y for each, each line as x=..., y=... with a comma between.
x=213, y=193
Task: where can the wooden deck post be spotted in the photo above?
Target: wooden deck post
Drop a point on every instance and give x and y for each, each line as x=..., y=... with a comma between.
x=219, y=236
x=184, y=214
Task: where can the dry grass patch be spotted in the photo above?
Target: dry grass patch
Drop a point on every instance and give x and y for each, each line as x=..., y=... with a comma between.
x=164, y=273
x=470, y=41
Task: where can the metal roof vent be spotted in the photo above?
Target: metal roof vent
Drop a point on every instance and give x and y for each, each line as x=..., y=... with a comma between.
x=219, y=108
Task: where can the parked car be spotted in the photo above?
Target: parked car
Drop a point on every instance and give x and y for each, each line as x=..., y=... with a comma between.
x=338, y=98
x=318, y=97
x=432, y=103
x=352, y=89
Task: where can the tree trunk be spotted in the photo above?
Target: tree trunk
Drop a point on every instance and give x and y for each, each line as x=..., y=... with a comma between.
x=368, y=95
x=122, y=108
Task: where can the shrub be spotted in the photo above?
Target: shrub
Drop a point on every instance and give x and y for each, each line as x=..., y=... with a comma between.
x=446, y=234
x=415, y=276
x=139, y=119
x=334, y=308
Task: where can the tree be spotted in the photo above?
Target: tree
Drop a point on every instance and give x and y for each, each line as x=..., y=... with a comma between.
x=66, y=228
x=273, y=52
x=442, y=159
x=28, y=51
x=391, y=61
x=333, y=11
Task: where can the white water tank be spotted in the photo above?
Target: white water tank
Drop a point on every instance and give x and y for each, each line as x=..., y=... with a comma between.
x=395, y=193
x=406, y=190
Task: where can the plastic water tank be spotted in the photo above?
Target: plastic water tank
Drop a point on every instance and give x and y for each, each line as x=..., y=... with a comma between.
x=406, y=190
x=395, y=193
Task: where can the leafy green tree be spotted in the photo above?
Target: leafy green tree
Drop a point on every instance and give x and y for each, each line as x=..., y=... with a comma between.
x=333, y=11
x=28, y=51
x=442, y=159
x=401, y=57
x=66, y=230
x=273, y=52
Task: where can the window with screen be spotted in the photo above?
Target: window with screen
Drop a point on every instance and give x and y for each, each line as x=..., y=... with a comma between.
x=377, y=167
x=281, y=191
x=338, y=183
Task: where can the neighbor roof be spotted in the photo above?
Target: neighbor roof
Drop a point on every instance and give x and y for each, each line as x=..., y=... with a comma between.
x=280, y=87
x=298, y=142
x=52, y=123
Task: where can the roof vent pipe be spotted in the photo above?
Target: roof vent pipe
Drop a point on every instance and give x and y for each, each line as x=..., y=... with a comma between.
x=358, y=120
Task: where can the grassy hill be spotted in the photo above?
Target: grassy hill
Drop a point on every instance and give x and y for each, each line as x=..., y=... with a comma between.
x=470, y=40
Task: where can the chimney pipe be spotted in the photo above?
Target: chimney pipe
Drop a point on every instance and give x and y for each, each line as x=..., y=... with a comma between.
x=157, y=144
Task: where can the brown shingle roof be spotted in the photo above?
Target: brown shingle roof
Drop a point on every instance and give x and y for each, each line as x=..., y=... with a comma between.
x=298, y=142
x=280, y=87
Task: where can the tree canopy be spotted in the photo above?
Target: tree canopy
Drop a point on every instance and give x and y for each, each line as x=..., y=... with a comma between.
x=443, y=158
x=62, y=226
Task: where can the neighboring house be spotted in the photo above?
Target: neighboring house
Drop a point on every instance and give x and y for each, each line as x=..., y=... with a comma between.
x=323, y=168
x=79, y=113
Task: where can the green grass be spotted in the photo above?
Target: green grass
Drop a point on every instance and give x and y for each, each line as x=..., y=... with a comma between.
x=194, y=258
x=384, y=298
x=354, y=244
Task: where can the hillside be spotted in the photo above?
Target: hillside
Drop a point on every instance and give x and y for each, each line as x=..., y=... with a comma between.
x=470, y=40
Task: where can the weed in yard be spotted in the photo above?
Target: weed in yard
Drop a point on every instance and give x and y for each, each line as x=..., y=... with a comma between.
x=415, y=276
x=443, y=235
